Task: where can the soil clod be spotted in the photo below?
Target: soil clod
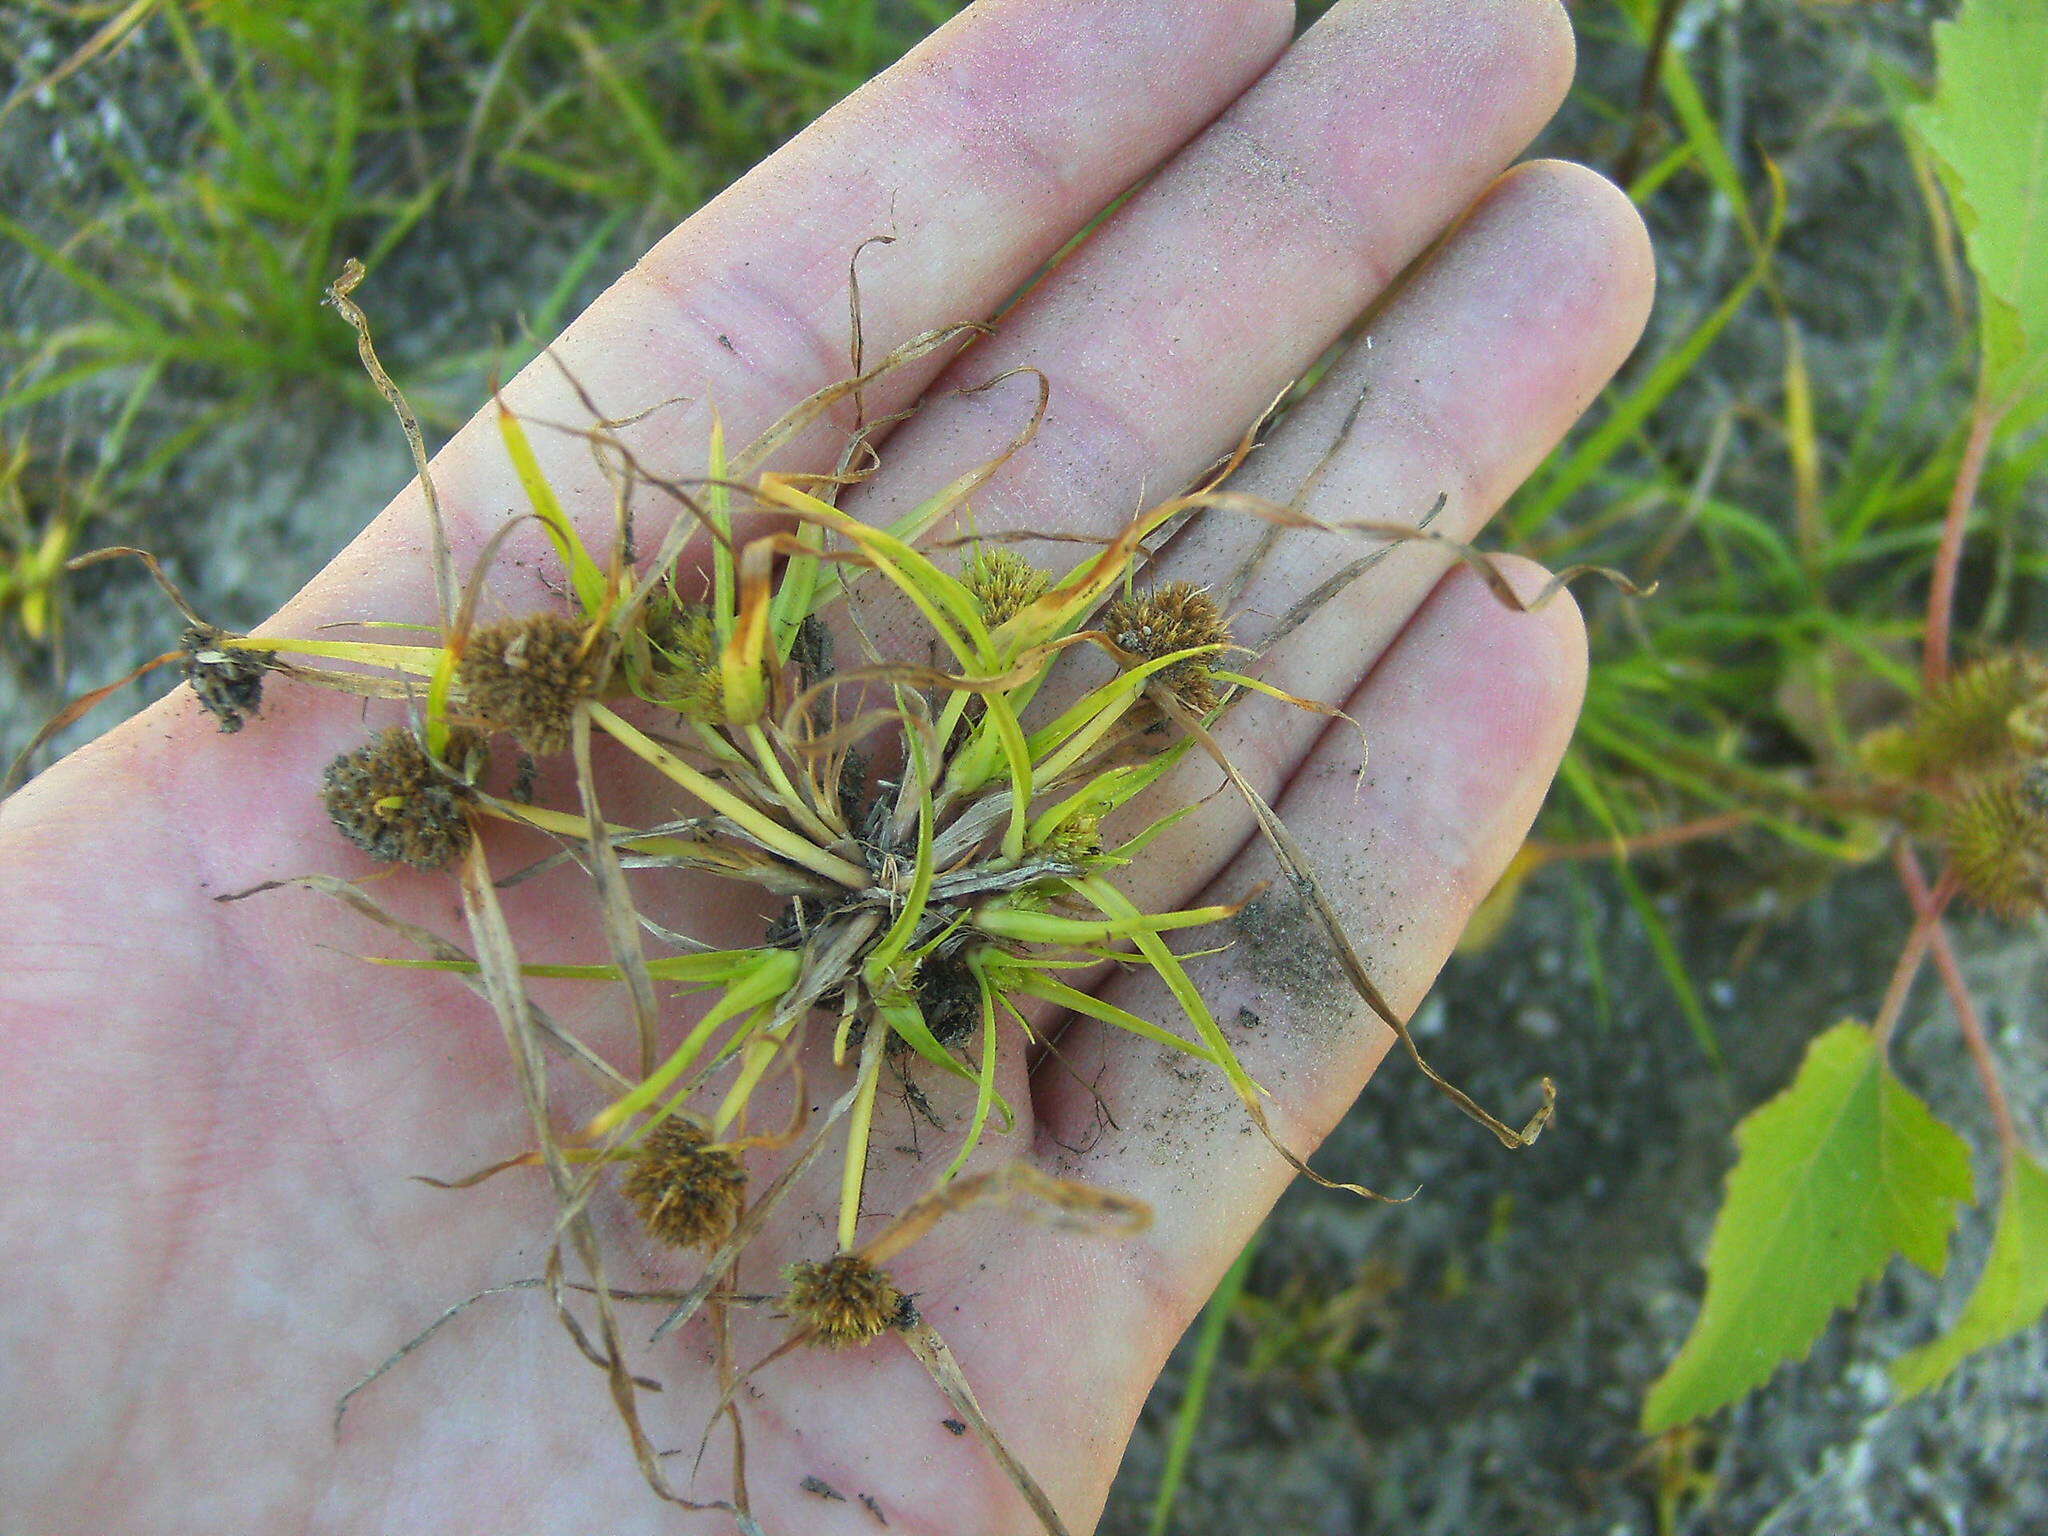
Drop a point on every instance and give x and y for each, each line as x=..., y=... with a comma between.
x=949, y=997
x=229, y=682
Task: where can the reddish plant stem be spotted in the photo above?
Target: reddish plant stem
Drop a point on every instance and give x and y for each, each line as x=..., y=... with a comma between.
x=1948, y=558
x=1926, y=904
x=1662, y=837
x=1903, y=973
x=1646, y=93
x=1980, y=1047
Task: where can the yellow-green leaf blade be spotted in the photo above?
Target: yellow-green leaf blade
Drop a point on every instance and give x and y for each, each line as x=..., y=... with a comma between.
x=1988, y=126
x=1832, y=1177
x=584, y=575
x=2011, y=1294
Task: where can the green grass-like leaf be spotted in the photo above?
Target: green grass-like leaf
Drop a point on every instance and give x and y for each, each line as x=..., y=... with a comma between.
x=1188, y=1417
x=1834, y=1176
x=1572, y=772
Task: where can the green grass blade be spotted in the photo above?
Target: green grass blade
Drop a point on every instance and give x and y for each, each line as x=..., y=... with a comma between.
x=1580, y=780
x=1201, y=1371
x=584, y=575
x=1583, y=464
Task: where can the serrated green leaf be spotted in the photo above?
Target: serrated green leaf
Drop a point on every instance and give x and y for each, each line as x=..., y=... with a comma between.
x=2011, y=1294
x=1988, y=126
x=1832, y=1177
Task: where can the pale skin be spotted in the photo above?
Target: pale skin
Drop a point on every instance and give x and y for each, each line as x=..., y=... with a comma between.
x=208, y=1112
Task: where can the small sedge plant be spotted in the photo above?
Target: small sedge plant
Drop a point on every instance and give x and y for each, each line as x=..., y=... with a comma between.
x=941, y=844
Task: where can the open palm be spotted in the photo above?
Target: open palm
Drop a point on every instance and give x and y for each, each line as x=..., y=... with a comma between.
x=208, y=1112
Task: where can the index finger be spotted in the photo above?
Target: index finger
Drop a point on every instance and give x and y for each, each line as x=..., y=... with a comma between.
x=981, y=153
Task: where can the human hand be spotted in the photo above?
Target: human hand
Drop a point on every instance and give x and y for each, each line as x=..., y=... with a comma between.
x=208, y=1115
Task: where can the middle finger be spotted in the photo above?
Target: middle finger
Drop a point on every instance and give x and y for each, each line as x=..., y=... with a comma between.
x=1223, y=278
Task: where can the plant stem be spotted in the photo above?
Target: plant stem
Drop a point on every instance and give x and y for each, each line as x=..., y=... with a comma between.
x=1915, y=950
x=1208, y=1344
x=1926, y=904
x=1646, y=93
x=772, y=835
x=1903, y=973
x=1972, y=1026
x=1647, y=842
x=764, y=754
x=1941, y=596
x=858, y=1125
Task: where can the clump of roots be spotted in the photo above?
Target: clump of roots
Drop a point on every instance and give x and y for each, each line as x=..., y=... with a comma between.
x=229, y=682
x=949, y=996
x=1004, y=583
x=1176, y=616
x=939, y=854
x=397, y=804
x=845, y=1300
x=526, y=676
x=688, y=1194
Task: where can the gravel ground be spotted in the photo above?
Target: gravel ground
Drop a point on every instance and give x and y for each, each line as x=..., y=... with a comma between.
x=1514, y=1312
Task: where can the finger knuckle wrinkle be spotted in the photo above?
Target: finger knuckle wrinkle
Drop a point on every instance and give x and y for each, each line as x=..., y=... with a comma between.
x=781, y=344
x=992, y=142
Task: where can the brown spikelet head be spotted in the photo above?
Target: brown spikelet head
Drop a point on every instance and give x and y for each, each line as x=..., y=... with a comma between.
x=1004, y=583
x=845, y=1299
x=684, y=655
x=526, y=677
x=688, y=1194
x=1174, y=617
x=229, y=681
x=396, y=804
x=1997, y=834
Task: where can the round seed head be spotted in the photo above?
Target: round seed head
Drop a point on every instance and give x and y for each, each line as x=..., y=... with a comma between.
x=1078, y=838
x=526, y=677
x=688, y=1195
x=1004, y=583
x=1997, y=835
x=846, y=1299
x=1176, y=616
x=392, y=801
x=1980, y=718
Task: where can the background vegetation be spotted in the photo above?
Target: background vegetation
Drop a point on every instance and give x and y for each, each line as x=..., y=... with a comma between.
x=1707, y=890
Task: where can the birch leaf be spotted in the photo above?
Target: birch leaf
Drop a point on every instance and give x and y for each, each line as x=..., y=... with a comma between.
x=2011, y=1294
x=1988, y=126
x=1833, y=1177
